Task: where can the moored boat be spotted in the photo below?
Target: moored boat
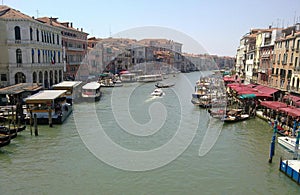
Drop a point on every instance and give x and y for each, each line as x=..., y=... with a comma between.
x=287, y=142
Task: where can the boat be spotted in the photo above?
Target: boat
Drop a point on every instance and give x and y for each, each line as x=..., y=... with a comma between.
x=11, y=133
x=91, y=91
x=48, y=104
x=235, y=115
x=157, y=92
x=4, y=143
x=150, y=78
x=73, y=89
x=128, y=77
x=106, y=83
x=291, y=169
x=161, y=85
x=118, y=83
x=287, y=142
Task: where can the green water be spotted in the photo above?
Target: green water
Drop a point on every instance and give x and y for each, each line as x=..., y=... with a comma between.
x=59, y=162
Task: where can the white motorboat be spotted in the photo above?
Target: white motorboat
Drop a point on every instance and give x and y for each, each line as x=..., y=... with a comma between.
x=157, y=92
x=288, y=142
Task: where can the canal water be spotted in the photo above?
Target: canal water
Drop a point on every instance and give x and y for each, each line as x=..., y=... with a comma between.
x=132, y=143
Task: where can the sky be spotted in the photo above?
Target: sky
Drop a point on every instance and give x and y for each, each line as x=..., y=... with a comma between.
x=215, y=25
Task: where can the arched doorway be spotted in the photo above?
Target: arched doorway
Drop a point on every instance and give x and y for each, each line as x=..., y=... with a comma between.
x=51, y=77
x=40, y=77
x=34, y=77
x=46, y=81
x=60, y=76
x=55, y=77
x=20, y=78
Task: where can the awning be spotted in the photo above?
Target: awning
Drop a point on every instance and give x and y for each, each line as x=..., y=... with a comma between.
x=274, y=104
x=292, y=97
x=247, y=96
x=266, y=90
x=291, y=111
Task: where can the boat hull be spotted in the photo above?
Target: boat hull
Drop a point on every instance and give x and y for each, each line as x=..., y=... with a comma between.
x=287, y=142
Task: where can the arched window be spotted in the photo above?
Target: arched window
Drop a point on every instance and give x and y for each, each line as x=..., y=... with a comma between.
x=53, y=39
x=37, y=35
x=58, y=56
x=30, y=31
x=17, y=33
x=39, y=56
x=57, y=39
x=42, y=36
x=19, y=56
x=32, y=55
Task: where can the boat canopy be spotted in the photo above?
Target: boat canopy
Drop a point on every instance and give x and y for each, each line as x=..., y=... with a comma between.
x=45, y=96
x=91, y=85
x=67, y=84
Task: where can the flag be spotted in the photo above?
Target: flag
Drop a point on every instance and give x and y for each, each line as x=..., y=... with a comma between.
x=52, y=60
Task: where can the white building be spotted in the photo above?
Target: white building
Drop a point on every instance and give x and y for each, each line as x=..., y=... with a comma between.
x=30, y=51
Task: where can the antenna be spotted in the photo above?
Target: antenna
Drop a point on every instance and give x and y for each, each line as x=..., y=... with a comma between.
x=295, y=18
x=109, y=31
x=37, y=13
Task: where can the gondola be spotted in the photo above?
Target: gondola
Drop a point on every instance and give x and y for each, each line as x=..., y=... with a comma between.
x=161, y=85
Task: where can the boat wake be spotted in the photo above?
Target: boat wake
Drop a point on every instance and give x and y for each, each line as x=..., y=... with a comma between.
x=151, y=98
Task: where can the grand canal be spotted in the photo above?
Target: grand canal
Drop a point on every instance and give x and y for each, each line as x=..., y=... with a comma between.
x=61, y=161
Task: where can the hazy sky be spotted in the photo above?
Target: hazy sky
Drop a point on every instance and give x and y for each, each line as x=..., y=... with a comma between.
x=217, y=25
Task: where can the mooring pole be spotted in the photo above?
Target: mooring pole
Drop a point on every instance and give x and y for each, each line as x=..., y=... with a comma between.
x=30, y=122
x=50, y=117
x=36, y=131
x=272, y=147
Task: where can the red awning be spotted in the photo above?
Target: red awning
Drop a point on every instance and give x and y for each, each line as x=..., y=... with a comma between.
x=292, y=97
x=274, y=104
x=291, y=110
x=266, y=90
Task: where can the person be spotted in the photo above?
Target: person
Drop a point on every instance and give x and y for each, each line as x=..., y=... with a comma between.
x=283, y=121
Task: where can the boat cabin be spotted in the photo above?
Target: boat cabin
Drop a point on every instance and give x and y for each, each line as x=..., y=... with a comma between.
x=49, y=106
x=72, y=87
x=91, y=91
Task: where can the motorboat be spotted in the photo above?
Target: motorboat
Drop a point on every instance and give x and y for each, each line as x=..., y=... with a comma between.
x=150, y=78
x=157, y=92
x=91, y=91
x=287, y=142
x=162, y=85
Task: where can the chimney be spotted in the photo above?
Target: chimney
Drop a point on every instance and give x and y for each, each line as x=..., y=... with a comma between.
x=71, y=24
x=81, y=29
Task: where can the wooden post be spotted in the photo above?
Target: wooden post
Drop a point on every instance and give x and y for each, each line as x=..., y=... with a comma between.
x=50, y=117
x=30, y=122
x=36, y=132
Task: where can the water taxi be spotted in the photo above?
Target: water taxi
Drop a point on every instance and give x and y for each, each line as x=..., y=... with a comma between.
x=50, y=106
x=150, y=78
x=91, y=91
x=157, y=92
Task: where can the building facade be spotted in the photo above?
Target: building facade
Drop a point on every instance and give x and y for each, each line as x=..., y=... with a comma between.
x=30, y=51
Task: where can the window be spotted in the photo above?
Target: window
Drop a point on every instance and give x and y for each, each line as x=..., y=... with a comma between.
x=58, y=57
x=37, y=35
x=42, y=36
x=32, y=55
x=30, y=31
x=292, y=56
x=53, y=39
x=57, y=39
x=17, y=33
x=19, y=56
x=39, y=56
x=3, y=77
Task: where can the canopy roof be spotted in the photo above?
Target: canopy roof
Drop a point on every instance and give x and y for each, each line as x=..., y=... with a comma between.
x=291, y=110
x=67, y=84
x=46, y=95
x=247, y=96
x=91, y=85
x=19, y=88
x=274, y=104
